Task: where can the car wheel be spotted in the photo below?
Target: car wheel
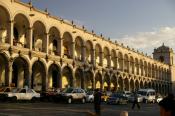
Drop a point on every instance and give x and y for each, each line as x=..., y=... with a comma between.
x=14, y=99
x=91, y=100
x=146, y=101
x=34, y=99
x=69, y=101
x=83, y=100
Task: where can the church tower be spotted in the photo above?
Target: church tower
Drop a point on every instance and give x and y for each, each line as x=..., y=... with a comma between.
x=164, y=54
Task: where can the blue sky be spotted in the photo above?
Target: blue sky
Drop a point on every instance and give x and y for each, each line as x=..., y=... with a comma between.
x=141, y=24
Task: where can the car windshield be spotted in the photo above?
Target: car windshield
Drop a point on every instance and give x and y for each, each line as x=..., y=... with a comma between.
x=142, y=92
x=2, y=89
x=68, y=90
x=89, y=92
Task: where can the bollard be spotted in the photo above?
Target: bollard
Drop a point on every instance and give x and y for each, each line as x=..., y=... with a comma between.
x=124, y=113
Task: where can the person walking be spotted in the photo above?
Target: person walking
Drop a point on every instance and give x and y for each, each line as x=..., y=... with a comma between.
x=135, y=102
x=97, y=102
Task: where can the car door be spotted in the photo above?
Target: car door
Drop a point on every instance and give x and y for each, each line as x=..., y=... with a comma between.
x=21, y=95
x=29, y=94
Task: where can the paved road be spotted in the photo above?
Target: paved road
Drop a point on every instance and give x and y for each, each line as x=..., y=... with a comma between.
x=55, y=109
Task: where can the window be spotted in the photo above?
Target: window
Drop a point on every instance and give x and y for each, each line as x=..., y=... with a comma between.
x=23, y=91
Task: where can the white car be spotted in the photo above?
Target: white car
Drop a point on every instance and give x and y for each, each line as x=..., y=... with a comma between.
x=159, y=98
x=139, y=98
x=90, y=96
x=23, y=94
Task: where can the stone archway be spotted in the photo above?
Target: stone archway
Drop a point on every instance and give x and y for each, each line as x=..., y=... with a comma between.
x=79, y=81
x=38, y=80
x=4, y=25
x=120, y=84
x=88, y=80
x=54, y=76
x=141, y=84
x=126, y=82
x=20, y=73
x=132, y=85
x=21, y=31
x=137, y=86
x=98, y=81
x=106, y=82
x=3, y=71
x=113, y=84
x=39, y=36
x=68, y=45
x=67, y=77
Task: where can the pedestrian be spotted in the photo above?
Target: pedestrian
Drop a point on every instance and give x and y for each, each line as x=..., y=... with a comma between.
x=97, y=102
x=135, y=102
x=167, y=106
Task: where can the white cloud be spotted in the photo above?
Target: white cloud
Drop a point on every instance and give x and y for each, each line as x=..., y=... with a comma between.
x=147, y=41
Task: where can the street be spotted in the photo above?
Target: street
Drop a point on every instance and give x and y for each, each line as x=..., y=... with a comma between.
x=61, y=109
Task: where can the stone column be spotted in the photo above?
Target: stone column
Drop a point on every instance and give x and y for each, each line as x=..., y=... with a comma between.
x=29, y=77
x=109, y=61
x=129, y=68
x=9, y=71
x=31, y=38
x=93, y=57
x=123, y=81
x=117, y=63
x=60, y=47
x=10, y=32
x=46, y=43
x=73, y=50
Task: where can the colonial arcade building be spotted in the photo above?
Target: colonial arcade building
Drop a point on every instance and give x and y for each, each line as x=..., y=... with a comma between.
x=43, y=51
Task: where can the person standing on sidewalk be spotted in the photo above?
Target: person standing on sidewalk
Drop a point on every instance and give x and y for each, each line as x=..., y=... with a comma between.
x=135, y=102
x=97, y=102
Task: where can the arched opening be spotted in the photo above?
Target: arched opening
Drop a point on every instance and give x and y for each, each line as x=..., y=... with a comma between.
x=120, y=61
x=137, y=66
x=132, y=65
x=141, y=84
x=54, y=76
x=67, y=77
x=113, y=84
x=21, y=31
x=98, y=55
x=4, y=24
x=88, y=80
x=126, y=82
x=98, y=81
x=20, y=73
x=54, y=38
x=132, y=85
x=113, y=59
x=3, y=71
x=106, y=82
x=106, y=57
x=38, y=80
x=126, y=63
x=137, y=86
x=39, y=37
x=78, y=49
x=89, y=52
x=120, y=84
x=79, y=78
x=67, y=45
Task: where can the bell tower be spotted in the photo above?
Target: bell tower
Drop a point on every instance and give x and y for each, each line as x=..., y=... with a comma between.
x=164, y=54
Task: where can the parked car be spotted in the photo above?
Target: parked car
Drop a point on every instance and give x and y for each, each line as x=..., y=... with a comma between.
x=126, y=93
x=90, y=96
x=73, y=94
x=23, y=94
x=131, y=98
x=149, y=95
x=50, y=94
x=117, y=98
x=105, y=95
x=4, y=91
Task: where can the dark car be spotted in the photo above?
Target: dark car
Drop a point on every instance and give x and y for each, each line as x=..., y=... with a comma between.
x=117, y=98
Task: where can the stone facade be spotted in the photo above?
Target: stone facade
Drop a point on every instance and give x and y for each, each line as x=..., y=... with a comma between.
x=43, y=51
